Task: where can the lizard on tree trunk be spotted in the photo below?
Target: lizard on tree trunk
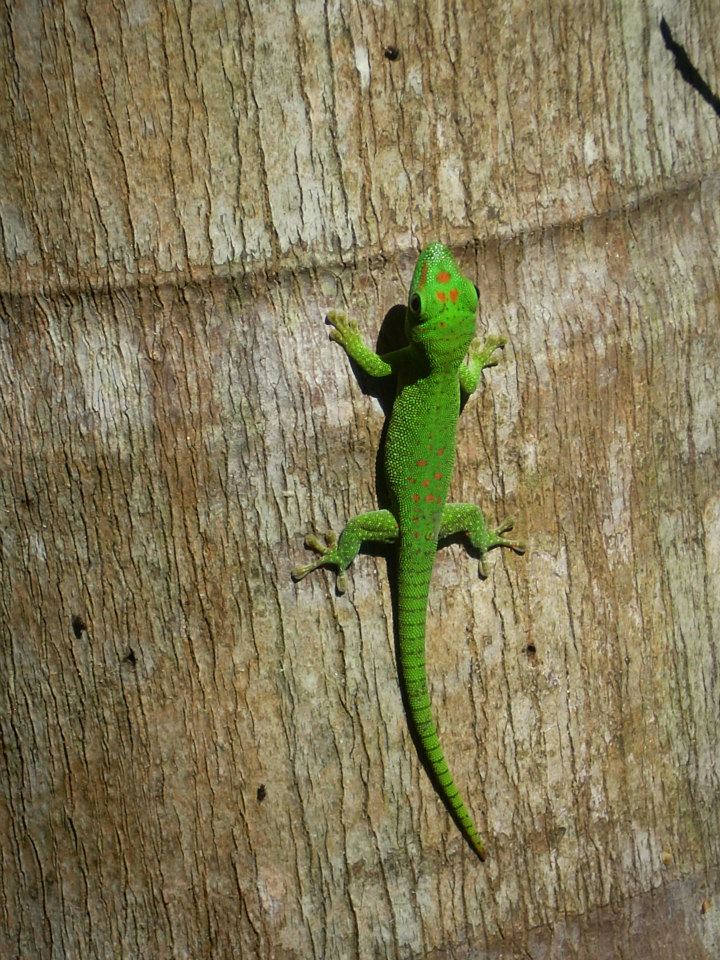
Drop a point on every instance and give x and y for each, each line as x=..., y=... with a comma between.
x=418, y=457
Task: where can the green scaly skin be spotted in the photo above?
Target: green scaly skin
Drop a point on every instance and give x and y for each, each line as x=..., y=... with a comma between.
x=419, y=458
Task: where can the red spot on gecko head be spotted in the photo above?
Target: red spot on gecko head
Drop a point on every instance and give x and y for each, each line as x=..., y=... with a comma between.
x=438, y=476
x=423, y=276
x=421, y=463
x=416, y=497
x=426, y=483
x=441, y=296
x=441, y=451
x=454, y=295
x=443, y=276
x=429, y=498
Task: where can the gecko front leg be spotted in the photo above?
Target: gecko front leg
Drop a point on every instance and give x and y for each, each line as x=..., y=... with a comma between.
x=480, y=358
x=346, y=333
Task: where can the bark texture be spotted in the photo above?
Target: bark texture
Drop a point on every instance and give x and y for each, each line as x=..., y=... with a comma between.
x=202, y=760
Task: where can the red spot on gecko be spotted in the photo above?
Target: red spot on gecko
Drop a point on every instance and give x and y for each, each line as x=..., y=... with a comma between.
x=438, y=476
x=426, y=483
x=429, y=498
x=416, y=497
x=441, y=296
x=454, y=295
x=441, y=451
x=443, y=277
x=421, y=463
x=423, y=276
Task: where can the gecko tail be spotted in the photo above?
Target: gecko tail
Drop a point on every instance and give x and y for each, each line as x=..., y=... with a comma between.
x=413, y=677
x=434, y=760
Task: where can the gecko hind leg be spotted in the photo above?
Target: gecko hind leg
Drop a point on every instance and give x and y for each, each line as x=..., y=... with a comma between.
x=469, y=519
x=378, y=526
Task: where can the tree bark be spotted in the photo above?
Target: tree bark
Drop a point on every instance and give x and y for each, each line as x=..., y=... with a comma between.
x=201, y=759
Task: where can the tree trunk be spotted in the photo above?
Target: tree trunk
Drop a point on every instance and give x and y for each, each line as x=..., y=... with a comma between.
x=201, y=759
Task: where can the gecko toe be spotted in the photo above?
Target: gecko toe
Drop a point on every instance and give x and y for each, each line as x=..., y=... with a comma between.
x=314, y=543
x=507, y=524
x=297, y=573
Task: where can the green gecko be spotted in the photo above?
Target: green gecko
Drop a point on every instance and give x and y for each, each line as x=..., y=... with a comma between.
x=419, y=456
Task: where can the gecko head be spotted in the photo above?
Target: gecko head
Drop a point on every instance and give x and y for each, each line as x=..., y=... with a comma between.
x=440, y=315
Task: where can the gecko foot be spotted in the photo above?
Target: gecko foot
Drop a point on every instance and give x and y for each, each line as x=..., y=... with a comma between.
x=327, y=556
x=345, y=331
x=498, y=540
x=489, y=347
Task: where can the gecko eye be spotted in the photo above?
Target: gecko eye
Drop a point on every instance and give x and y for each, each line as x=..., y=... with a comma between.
x=415, y=304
